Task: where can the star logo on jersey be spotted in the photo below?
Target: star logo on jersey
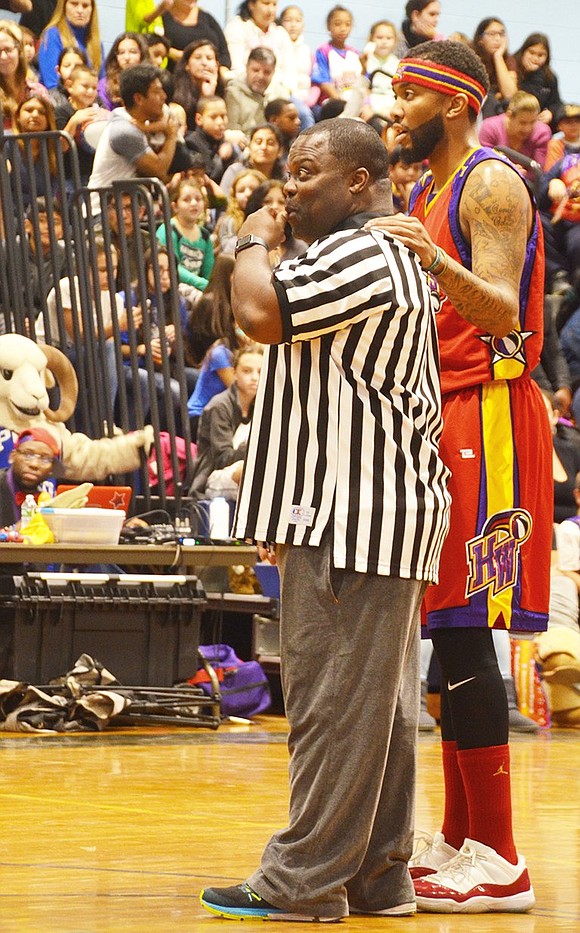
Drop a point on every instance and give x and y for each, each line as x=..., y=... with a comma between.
x=511, y=347
x=493, y=556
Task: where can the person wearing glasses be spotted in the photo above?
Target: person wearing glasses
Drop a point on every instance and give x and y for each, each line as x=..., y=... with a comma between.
x=33, y=460
x=490, y=42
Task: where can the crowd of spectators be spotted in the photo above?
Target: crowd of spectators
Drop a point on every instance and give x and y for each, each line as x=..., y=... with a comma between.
x=211, y=112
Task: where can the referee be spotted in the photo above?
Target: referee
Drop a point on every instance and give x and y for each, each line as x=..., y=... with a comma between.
x=343, y=476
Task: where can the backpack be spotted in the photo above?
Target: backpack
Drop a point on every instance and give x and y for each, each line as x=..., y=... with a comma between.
x=243, y=684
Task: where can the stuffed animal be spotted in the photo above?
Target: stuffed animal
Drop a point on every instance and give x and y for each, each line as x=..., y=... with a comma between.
x=27, y=369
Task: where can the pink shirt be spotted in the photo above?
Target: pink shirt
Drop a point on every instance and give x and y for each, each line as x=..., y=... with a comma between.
x=492, y=132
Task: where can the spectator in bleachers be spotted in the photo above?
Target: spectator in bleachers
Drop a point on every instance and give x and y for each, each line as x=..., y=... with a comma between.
x=191, y=239
x=159, y=47
x=35, y=115
x=380, y=63
x=283, y=113
x=265, y=153
x=292, y=19
x=536, y=76
x=559, y=202
x=129, y=48
x=567, y=137
x=224, y=429
x=337, y=65
x=150, y=340
x=103, y=300
x=490, y=43
x=519, y=128
x=83, y=119
x=420, y=25
x=566, y=458
x=197, y=75
x=213, y=338
x=552, y=372
x=125, y=150
x=131, y=213
x=209, y=137
x=246, y=97
x=403, y=174
x=184, y=23
x=29, y=45
x=145, y=15
x=270, y=194
x=46, y=253
x=15, y=86
x=255, y=26
x=74, y=22
x=39, y=15
x=68, y=59
x=226, y=231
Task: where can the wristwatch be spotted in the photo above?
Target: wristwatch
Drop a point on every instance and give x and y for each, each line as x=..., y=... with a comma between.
x=244, y=242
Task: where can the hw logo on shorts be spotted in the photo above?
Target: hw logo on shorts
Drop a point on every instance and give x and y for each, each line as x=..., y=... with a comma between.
x=494, y=555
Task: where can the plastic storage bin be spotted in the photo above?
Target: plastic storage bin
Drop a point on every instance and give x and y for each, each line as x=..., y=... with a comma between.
x=84, y=526
x=143, y=628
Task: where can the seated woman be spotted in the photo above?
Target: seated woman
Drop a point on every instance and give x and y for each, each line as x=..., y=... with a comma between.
x=224, y=427
x=72, y=23
x=265, y=153
x=15, y=85
x=490, y=43
x=197, y=74
x=30, y=161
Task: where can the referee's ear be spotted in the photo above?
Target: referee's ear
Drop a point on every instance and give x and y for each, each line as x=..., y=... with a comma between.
x=359, y=180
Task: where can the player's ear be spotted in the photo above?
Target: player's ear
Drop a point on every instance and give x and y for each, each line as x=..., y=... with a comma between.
x=457, y=106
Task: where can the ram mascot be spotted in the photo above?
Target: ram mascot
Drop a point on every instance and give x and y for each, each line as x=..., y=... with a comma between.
x=27, y=370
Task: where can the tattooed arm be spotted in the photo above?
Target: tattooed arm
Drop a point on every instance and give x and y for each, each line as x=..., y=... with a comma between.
x=495, y=217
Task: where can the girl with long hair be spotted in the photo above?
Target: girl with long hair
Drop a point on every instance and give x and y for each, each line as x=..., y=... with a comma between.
x=129, y=48
x=197, y=74
x=490, y=42
x=420, y=25
x=76, y=23
x=535, y=75
x=35, y=115
x=265, y=152
x=15, y=85
x=226, y=231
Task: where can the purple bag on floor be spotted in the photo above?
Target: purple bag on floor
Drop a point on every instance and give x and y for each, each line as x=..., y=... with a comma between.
x=244, y=686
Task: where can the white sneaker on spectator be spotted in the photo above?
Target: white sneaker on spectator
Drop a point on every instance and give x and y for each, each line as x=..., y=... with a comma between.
x=430, y=853
x=477, y=880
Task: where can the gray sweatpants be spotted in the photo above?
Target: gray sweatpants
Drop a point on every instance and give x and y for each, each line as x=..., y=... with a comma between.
x=351, y=681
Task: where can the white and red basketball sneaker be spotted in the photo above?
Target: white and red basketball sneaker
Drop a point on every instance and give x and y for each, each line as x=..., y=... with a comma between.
x=430, y=853
x=477, y=880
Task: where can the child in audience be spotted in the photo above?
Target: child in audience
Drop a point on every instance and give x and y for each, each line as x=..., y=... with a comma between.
x=226, y=231
x=403, y=174
x=191, y=240
x=80, y=112
x=292, y=19
x=29, y=46
x=128, y=49
x=213, y=338
x=68, y=59
x=209, y=137
x=336, y=65
x=158, y=49
x=379, y=57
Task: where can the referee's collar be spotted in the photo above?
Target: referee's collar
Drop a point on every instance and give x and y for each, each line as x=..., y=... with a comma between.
x=356, y=221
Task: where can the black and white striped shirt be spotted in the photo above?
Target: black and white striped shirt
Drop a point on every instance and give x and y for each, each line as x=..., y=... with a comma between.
x=348, y=417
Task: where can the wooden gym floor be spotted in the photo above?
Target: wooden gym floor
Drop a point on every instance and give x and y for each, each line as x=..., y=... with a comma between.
x=119, y=831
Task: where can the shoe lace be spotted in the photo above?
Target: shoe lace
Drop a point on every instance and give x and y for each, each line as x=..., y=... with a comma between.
x=422, y=845
x=458, y=866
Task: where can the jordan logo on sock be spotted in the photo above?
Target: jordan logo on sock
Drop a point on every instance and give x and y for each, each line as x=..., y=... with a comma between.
x=501, y=770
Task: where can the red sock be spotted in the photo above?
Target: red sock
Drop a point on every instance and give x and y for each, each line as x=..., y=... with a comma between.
x=455, y=817
x=487, y=782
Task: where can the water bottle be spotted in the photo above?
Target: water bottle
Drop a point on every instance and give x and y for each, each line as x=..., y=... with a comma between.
x=219, y=519
x=27, y=510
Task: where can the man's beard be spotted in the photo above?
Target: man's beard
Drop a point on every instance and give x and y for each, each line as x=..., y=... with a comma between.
x=424, y=139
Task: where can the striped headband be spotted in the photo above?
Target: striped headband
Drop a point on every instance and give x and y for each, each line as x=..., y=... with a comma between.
x=440, y=78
